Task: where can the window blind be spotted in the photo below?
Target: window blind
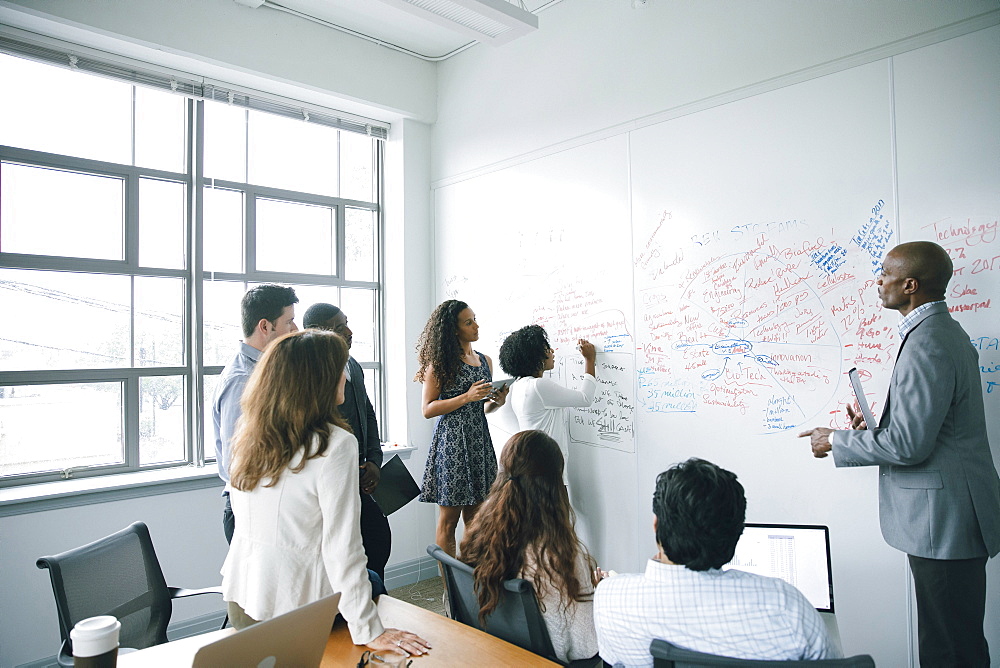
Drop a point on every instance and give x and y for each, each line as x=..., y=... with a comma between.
x=192, y=86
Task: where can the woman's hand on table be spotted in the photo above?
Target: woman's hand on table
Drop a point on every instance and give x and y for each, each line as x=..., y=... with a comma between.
x=398, y=640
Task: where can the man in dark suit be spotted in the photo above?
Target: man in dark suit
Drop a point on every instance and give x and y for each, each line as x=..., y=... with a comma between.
x=358, y=411
x=939, y=494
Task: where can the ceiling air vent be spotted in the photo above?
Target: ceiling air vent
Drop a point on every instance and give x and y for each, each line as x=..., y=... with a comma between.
x=489, y=21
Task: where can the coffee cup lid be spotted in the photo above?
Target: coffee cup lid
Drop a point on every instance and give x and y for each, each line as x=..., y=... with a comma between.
x=95, y=635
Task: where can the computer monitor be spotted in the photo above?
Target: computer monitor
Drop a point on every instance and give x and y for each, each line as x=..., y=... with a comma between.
x=799, y=554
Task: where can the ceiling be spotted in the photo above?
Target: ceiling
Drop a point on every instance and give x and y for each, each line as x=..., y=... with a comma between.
x=386, y=23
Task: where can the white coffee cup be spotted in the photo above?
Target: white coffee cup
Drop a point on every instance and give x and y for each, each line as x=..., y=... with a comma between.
x=95, y=640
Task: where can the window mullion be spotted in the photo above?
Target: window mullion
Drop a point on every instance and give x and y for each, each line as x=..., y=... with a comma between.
x=249, y=207
x=250, y=231
x=378, y=156
x=132, y=220
x=341, y=243
x=132, y=407
x=194, y=308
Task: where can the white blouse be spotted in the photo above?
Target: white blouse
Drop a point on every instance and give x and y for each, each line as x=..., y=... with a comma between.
x=538, y=404
x=300, y=540
x=571, y=629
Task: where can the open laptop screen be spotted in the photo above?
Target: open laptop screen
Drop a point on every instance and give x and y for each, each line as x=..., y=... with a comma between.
x=799, y=554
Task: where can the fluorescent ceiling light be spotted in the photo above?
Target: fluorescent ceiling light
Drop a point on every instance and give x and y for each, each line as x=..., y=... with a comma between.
x=491, y=21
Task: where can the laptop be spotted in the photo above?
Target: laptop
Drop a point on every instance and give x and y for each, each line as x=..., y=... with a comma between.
x=296, y=638
x=799, y=554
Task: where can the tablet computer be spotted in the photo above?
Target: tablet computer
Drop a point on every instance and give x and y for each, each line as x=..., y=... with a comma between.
x=499, y=385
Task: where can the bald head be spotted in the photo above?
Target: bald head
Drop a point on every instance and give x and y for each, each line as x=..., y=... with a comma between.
x=928, y=263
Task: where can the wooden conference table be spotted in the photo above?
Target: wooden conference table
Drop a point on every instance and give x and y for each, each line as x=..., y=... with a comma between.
x=454, y=643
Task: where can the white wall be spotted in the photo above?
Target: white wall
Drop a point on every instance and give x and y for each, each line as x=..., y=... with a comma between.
x=597, y=64
x=408, y=301
x=598, y=69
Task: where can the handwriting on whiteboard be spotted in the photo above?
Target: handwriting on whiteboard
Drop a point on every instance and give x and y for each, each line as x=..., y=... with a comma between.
x=762, y=321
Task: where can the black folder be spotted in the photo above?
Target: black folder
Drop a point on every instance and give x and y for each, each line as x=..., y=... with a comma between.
x=396, y=487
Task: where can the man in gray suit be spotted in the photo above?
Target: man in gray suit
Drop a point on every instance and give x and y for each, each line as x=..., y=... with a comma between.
x=358, y=411
x=939, y=494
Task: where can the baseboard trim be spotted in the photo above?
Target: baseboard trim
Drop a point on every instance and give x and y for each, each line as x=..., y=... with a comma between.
x=411, y=572
x=48, y=662
x=195, y=626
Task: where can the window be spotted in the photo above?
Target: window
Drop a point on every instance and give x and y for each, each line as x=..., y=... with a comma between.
x=121, y=269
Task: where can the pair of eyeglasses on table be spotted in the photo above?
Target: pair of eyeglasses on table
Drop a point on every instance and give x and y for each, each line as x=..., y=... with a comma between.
x=366, y=660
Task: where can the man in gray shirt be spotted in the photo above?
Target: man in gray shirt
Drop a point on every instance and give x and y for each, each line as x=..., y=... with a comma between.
x=268, y=312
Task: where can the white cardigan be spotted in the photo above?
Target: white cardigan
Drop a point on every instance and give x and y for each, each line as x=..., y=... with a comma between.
x=300, y=540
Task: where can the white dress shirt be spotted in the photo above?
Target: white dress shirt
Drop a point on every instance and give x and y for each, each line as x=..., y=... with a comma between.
x=729, y=613
x=300, y=540
x=538, y=404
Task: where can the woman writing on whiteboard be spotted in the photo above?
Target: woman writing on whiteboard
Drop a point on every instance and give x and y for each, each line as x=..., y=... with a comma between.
x=295, y=492
x=538, y=402
x=525, y=530
x=461, y=464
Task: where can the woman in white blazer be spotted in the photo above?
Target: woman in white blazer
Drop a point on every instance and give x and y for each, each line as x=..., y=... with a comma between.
x=294, y=479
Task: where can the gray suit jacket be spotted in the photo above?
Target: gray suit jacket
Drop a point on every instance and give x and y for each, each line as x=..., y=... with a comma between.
x=939, y=494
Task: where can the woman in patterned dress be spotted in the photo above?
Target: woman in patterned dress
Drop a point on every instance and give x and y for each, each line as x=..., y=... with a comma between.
x=461, y=464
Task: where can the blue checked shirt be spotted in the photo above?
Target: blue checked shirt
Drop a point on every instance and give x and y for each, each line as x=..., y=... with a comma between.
x=908, y=320
x=729, y=613
x=226, y=403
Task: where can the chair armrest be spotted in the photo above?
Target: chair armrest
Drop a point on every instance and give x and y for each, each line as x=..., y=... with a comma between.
x=517, y=585
x=178, y=592
x=65, y=657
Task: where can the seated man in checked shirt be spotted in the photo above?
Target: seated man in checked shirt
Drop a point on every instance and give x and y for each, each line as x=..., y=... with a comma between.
x=684, y=597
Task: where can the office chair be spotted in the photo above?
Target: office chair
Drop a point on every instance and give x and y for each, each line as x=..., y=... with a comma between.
x=517, y=619
x=666, y=655
x=117, y=575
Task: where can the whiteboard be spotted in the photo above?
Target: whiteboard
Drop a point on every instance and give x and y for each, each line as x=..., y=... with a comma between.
x=610, y=420
x=948, y=135
x=548, y=242
x=725, y=261
x=759, y=227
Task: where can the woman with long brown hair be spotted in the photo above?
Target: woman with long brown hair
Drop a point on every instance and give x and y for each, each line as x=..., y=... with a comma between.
x=461, y=464
x=525, y=529
x=294, y=478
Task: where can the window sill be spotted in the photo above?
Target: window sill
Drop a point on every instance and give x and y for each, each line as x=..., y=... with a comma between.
x=102, y=489
x=390, y=449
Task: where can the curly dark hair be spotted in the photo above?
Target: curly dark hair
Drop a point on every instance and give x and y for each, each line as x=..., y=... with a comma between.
x=523, y=352
x=527, y=509
x=438, y=345
x=700, y=510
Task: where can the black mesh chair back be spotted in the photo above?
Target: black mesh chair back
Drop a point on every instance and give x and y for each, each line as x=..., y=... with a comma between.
x=517, y=619
x=667, y=655
x=118, y=575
